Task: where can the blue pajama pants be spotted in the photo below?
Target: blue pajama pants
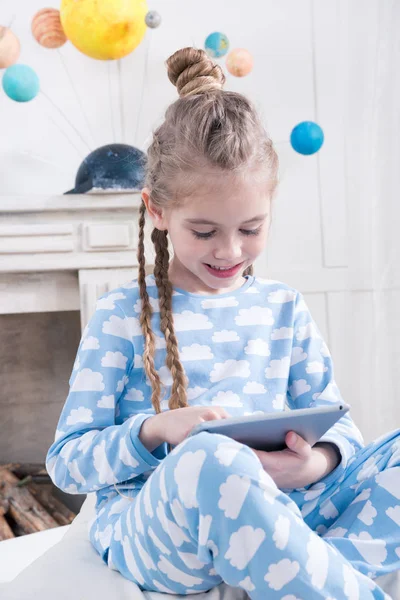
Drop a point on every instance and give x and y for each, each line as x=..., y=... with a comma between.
x=210, y=513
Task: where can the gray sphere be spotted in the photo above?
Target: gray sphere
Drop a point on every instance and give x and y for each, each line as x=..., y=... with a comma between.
x=153, y=19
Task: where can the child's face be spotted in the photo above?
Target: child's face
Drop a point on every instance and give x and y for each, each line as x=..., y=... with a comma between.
x=217, y=232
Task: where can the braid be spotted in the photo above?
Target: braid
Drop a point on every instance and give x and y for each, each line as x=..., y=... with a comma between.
x=145, y=319
x=178, y=397
x=249, y=270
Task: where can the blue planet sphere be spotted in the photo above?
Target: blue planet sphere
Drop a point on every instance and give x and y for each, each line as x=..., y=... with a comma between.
x=307, y=137
x=216, y=44
x=21, y=83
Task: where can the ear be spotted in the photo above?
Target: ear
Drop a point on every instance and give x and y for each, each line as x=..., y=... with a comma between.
x=155, y=213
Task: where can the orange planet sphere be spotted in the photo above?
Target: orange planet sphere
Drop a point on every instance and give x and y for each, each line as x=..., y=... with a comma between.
x=47, y=29
x=239, y=62
x=10, y=48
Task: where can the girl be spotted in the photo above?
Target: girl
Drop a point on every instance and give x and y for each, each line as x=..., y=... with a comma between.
x=202, y=339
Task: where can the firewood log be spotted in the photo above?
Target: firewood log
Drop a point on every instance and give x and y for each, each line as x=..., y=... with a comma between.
x=23, y=507
x=6, y=532
x=44, y=494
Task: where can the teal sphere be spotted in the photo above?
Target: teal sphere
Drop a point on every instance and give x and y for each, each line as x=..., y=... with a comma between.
x=21, y=83
x=216, y=44
x=307, y=138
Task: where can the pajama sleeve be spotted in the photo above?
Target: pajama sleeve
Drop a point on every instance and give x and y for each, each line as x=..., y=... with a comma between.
x=311, y=381
x=90, y=450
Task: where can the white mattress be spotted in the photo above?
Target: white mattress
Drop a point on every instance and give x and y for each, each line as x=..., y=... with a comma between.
x=72, y=569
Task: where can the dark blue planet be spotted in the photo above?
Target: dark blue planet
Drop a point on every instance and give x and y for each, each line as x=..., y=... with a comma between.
x=111, y=168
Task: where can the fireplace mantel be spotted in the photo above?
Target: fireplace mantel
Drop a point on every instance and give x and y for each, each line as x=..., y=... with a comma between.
x=61, y=253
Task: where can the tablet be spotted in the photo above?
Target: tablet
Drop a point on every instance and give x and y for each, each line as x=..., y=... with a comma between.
x=267, y=431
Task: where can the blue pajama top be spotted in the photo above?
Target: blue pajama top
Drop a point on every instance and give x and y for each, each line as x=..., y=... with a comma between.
x=254, y=349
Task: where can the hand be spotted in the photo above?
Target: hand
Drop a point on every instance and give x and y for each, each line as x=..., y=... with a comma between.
x=299, y=464
x=173, y=426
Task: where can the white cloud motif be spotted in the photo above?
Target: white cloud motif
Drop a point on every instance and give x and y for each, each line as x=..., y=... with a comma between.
x=315, y=366
x=153, y=303
x=190, y=321
x=243, y=544
x=281, y=573
x=114, y=359
x=233, y=494
x=253, y=387
x=227, y=452
x=88, y=381
x=160, y=342
x=175, y=574
x=123, y=328
x=247, y=584
x=106, y=402
x=368, y=513
x=90, y=343
x=389, y=481
x=393, y=512
x=165, y=375
x=372, y=549
x=225, y=336
x=195, y=392
x=283, y=333
x=318, y=561
x=101, y=464
x=281, y=532
x=125, y=456
x=299, y=387
x=278, y=369
x=298, y=355
x=122, y=383
x=278, y=403
x=256, y=315
x=80, y=415
x=306, y=331
x=107, y=303
x=258, y=346
x=281, y=296
x=227, y=398
x=204, y=528
x=196, y=352
x=138, y=361
x=219, y=302
x=74, y=471
x=351, y=587
x=230, y=368
x=134, y=395
x=186, y=475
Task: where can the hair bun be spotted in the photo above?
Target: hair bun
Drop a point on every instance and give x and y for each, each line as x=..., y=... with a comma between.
x=193, y=72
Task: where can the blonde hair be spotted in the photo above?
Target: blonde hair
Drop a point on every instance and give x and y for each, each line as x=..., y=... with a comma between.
x=206, y=128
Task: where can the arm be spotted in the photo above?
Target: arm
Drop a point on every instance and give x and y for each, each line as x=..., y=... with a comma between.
x=311, y=382
x=91, y=451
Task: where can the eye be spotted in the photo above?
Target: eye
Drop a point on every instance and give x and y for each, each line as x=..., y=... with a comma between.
x=203, y=236
x=251, y=231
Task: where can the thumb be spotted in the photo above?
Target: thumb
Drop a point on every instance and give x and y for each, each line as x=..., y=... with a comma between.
x=297, y=444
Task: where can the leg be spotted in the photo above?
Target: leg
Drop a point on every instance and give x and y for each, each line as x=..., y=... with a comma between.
x=210, y=514
x=368, y=531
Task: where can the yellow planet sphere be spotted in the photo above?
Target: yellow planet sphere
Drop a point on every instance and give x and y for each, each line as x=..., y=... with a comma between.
x=105, y=30
x=239, y=62
x=10, y=48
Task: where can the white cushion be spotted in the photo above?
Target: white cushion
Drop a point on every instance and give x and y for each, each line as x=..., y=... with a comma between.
x=72, y=569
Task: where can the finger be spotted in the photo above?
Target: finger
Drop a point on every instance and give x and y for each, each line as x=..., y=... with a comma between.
x=297, y=444
x=222, y=412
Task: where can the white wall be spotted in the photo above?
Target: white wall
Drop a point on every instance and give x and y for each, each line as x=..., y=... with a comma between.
x=299, y=47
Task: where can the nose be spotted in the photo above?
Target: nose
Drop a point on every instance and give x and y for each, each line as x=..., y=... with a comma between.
x=228, y=250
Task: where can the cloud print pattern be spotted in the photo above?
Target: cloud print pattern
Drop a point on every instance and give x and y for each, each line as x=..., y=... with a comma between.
x=255, y=349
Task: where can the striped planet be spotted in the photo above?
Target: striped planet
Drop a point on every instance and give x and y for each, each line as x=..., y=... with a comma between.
x=47, y=29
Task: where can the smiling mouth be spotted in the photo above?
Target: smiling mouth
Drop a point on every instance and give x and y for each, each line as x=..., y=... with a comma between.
x=218, y=271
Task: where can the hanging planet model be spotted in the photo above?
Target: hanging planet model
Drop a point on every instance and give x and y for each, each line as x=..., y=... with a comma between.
x=114, y=168
x=21, y=83
x=153, y=19
x=216, y=44
x=10, y=48
x=307, y=138
x=47, y=29
x=239, y=62
x=104, y=30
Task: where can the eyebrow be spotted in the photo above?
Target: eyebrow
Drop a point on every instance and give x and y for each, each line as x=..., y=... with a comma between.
x=207, y=222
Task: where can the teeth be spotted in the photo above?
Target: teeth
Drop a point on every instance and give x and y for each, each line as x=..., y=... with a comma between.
x=221, y=268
